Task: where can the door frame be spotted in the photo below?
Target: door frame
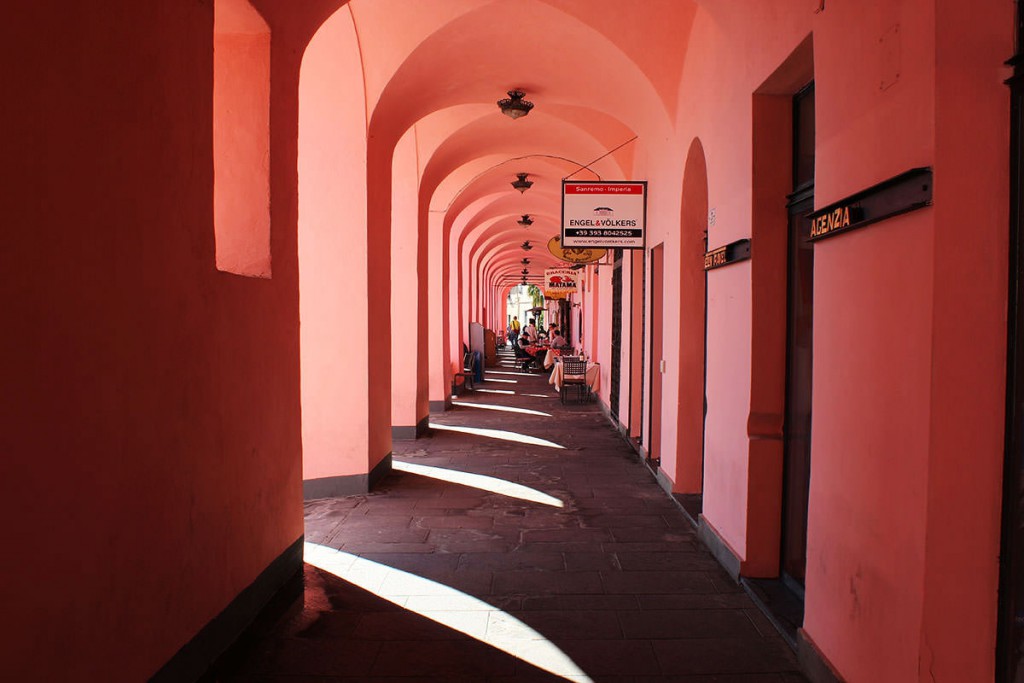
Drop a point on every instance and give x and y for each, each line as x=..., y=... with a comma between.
x=1011, y=557
x=656, y=344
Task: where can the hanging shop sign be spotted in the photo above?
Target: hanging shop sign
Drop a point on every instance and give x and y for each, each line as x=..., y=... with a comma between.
x=609, y=215
x=574, y=254
x=560, y=282
x=903, y=193
x=733, y=252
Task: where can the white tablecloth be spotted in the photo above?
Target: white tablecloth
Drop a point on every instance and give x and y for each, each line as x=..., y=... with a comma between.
x=593, y=377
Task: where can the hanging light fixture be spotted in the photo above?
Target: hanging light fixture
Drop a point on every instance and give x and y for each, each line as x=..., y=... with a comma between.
x=525, y=221
x=525, y=272
x=514, y=106
x=522, y=184
x=526, y=245
x=525, y=261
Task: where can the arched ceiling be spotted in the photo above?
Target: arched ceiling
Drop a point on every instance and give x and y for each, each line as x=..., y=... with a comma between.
x=603, y=75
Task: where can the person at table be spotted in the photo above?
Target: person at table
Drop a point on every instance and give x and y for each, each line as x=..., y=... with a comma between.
x=523, y=350
x=534, y=356
x=531, y=330
x=557, y=340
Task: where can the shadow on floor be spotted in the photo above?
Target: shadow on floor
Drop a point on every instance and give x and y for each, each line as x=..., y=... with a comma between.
x=609, y=576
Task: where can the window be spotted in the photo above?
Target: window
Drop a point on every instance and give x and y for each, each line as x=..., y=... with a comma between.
x=241, y=139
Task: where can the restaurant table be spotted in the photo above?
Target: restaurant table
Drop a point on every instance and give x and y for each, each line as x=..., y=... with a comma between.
x=549, y=358
x=533, y=350
x=593, y=377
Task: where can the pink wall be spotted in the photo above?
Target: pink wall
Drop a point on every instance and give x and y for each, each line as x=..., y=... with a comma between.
x=332, y=253
x=151, y=432
x=873, y=336
x=909, y=329
x=175, y=388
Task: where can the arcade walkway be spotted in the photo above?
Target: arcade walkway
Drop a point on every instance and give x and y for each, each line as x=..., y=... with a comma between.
x=557, y=557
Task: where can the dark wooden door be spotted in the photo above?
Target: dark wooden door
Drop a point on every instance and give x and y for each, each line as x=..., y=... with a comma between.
x=1010, y=645
x=657, y=310
x=799, y=344
x=616, y=370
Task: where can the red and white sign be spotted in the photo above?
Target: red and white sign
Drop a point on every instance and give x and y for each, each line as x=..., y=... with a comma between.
x=558, y=282
x=609, y=215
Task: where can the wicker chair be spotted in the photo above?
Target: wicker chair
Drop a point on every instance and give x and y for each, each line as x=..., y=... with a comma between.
x=574, y=376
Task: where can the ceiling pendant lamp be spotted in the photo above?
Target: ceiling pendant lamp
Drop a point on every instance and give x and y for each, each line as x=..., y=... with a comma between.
x=522, y=184
x=514, y=106
x=525, y=261
x=525, y=221
x=526, y=246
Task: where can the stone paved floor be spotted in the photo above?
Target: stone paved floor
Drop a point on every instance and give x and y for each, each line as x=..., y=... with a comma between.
x=432, y=580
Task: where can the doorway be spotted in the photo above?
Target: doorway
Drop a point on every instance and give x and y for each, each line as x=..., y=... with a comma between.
x=657, y=305
x=796, y=467
x=616, y=374
x=1010, y=643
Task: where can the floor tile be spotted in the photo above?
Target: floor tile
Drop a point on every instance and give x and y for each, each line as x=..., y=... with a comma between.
x=475, y=586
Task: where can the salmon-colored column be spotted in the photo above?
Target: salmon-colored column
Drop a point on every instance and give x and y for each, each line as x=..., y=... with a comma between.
x=689, y=466
x=408, y=287
x=593, y=339
x=438, y=367
x=972, y=127
x=456, y=334
x=333, y=253
x=771, y=181
x=378, y=284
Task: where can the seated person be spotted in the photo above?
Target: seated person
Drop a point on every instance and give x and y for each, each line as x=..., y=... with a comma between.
x=531, y=359
x=557, y=340
x=521, y=344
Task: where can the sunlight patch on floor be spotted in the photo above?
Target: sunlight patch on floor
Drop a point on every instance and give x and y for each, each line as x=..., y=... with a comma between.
x=495, y=391
x=479, y=481
x=503, y=381
x=498, y=434
x=449, y=607
x=504, y=409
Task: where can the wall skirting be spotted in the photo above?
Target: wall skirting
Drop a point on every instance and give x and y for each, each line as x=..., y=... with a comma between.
x=623, y=431
x=410, y=433
x=719, y=548
x=814, y=664
x=817, y=668
x=281, y=579
x=347, y=485
x=440, y=406
x=664, y=481
x=381, y=470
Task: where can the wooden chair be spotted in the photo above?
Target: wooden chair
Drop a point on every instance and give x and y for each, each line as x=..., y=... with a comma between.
x=523, y=359
x=574, y=375
x=468, y=370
